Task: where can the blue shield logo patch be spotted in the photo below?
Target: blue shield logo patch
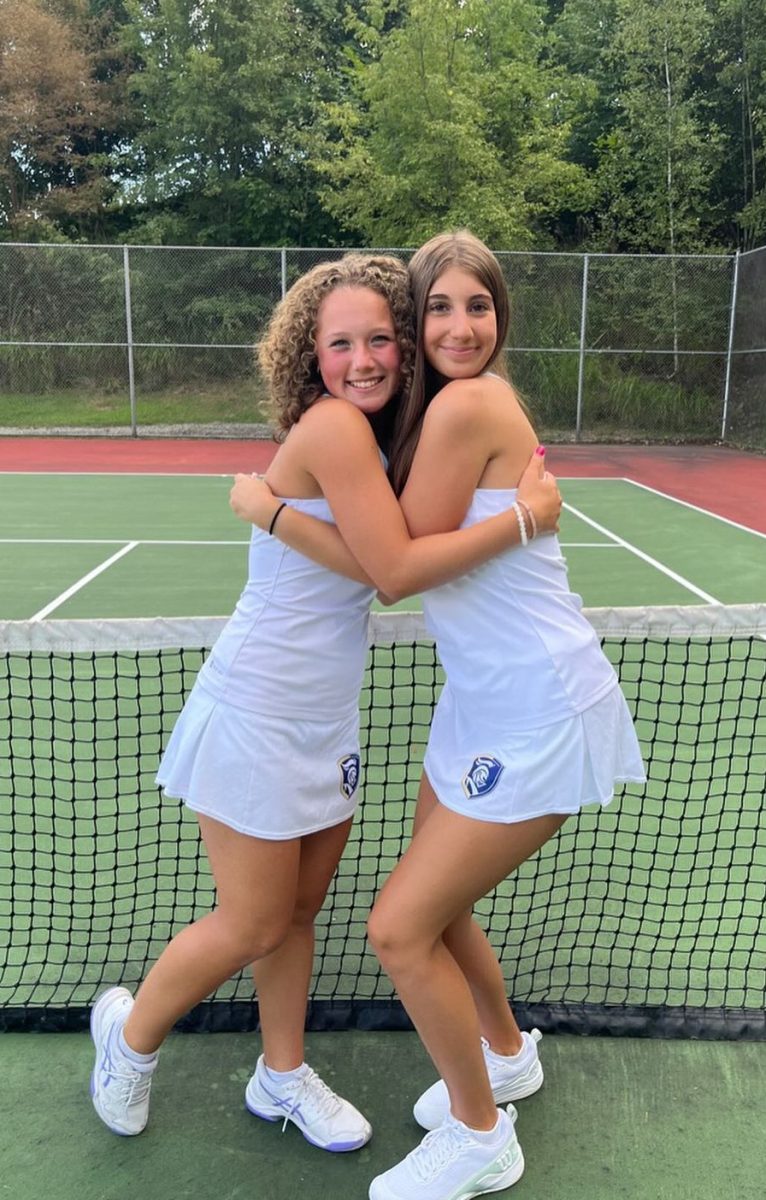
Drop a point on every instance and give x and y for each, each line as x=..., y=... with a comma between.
x=483, y=775
x=349, y=774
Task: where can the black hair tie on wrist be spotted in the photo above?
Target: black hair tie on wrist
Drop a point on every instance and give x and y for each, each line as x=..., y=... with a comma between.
x=276, y=514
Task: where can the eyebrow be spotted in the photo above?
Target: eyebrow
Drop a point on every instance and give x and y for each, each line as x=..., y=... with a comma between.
x=344, y=333
x=446, y=296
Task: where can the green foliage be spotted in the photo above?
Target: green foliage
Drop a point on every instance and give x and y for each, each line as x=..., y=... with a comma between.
x=625, y=399
x=225, y=87
x=622, y=125
x=737, y=95
x=451, y=121
x=657, y=163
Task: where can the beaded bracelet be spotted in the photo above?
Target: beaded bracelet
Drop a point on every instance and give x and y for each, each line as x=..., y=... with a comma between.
x=276, y=514
x=522, y=527
x=532, y=520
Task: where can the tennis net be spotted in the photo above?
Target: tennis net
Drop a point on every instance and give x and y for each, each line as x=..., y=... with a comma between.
x=643, y=918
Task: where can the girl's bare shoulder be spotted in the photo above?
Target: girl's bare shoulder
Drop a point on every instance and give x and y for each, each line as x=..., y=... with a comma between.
x=468, y=399
x=329, y=418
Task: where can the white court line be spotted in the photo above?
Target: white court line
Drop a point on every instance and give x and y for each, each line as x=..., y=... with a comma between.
x=646, y=557
x=82, y=582
x=115, y=542
x=135, y=474
x=696, y=508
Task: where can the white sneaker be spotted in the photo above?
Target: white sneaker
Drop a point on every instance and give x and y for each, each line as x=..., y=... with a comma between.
x=452, y=1164
x=511, y=1078
x=324, y=1119
x=120, y=1088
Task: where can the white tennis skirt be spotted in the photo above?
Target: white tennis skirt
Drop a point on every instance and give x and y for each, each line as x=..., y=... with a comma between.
x=559, y=768
x=269, y=777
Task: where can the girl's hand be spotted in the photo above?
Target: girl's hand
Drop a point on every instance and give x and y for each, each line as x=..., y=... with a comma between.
x=538, y=489
x=252, y=500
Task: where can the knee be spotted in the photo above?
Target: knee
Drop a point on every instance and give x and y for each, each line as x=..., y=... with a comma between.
x=251, y=940
x=389, y=938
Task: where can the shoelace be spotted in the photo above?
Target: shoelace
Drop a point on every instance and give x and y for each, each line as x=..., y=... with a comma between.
x=438, y=1149
x=132, y=1085
x=322, y=1097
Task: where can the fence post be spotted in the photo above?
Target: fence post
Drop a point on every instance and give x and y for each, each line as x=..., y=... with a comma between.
x=730, y=347
x=283, y=257
x=129, y=339
x=581, y=367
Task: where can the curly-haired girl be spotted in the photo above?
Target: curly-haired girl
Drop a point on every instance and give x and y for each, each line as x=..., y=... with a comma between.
x=266, y=750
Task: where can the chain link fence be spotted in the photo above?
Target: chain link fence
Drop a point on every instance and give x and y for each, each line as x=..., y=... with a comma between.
x=745, y=417
x=603, y=347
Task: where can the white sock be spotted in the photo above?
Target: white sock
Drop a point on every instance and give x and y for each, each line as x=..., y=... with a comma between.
x=487, y=1136
x=509, y=1057
x=284, y=1077
x=139, y=1060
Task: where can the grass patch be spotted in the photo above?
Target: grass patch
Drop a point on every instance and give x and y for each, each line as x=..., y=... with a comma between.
x=197, y=404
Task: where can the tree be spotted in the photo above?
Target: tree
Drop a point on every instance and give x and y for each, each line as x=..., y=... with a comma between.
x=47, y=98
x=657, y=162
x=227, y=88
x=582, y=35
x=738, y=92
x=452, y=120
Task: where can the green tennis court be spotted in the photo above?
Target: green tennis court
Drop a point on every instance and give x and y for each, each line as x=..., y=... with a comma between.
x=648, y=914
x=167, y=545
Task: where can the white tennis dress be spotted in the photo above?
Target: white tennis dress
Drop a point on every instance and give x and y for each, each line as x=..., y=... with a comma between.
x=532, y=719
x=268, y=740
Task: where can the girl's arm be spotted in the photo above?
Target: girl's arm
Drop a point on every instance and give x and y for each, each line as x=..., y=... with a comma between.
x=252, y=500
x=335, y=444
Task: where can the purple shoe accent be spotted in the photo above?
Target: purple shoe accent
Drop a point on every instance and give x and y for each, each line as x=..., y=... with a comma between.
x=254, y=1111
x=336, y=1147
x=281, y=1108
x=281, y=1103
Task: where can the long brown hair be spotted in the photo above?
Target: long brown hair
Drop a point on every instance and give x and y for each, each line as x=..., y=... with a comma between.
x=459, y=249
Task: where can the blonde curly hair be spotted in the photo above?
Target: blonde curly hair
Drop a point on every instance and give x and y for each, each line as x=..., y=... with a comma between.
x=287, y=354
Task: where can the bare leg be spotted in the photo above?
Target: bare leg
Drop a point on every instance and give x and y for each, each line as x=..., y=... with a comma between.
x=470, y=947
x=451, y=863
x=256, y=882
x=282, y=978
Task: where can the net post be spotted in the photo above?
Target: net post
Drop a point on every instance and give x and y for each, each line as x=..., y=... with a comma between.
x=730, y=346
x=283, y=261
x=129, y=340
x=581, y=365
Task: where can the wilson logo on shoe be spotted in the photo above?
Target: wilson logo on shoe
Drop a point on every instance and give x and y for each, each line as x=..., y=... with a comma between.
x=507, y=1158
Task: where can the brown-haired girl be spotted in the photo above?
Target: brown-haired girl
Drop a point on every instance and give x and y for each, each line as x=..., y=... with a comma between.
x=531, y=725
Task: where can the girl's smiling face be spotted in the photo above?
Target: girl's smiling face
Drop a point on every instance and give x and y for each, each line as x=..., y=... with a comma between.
x=356, y=348
x=460, y=325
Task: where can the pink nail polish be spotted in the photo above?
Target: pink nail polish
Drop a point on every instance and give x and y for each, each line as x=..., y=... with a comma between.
x=540, y=450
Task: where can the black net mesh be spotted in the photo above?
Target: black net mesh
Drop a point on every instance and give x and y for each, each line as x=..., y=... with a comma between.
x=645, y=917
